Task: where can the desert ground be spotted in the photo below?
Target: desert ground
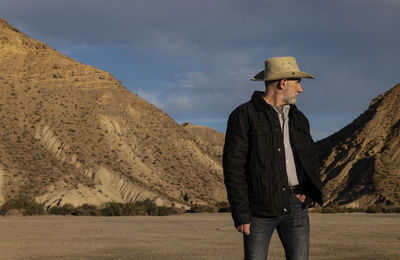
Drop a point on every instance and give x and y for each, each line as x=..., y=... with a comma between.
x=188, y=236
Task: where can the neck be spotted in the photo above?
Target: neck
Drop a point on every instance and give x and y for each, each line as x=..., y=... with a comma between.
x=272, y=97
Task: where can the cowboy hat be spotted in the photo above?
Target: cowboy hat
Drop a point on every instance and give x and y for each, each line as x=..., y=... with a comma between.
x=281, y=68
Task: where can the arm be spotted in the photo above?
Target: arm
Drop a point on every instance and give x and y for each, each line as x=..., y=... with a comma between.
x=313, y=169
x=234, y=165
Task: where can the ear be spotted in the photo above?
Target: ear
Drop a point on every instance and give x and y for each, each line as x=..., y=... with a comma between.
x=282, y=84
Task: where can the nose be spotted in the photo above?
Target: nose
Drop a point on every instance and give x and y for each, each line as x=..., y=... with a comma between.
x=299, y=88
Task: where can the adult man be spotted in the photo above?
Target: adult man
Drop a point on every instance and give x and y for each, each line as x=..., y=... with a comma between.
x=270, y=164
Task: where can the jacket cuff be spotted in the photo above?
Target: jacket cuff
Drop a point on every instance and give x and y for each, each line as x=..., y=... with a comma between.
x=241, y=219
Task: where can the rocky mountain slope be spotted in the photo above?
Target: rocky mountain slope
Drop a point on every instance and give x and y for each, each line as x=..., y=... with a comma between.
x=212, y=141
x=361, y=162
x=71, y=133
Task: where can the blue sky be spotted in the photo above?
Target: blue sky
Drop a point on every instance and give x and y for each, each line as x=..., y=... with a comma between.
x=194, y=59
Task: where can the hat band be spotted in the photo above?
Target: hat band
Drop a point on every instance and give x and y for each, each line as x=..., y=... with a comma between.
x=281, y=75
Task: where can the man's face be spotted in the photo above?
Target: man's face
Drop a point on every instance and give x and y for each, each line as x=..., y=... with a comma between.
x=291, y=89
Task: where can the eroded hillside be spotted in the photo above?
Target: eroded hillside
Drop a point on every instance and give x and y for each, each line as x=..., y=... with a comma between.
x=71, y=133
x=361, y=162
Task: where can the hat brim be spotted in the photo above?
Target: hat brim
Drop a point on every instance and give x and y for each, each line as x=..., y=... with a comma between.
x=283, y=75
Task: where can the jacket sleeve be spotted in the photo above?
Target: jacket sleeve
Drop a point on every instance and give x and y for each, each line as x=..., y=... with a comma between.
x=234, y=165
x=313, y=165
x=315, y=171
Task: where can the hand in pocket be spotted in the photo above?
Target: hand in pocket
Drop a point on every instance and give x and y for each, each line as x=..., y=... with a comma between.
x=306, y=200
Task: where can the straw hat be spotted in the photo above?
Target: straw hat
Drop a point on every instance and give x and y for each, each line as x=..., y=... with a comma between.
x=281, y=68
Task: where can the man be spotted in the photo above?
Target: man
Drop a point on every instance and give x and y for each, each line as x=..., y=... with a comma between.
x=270, y=164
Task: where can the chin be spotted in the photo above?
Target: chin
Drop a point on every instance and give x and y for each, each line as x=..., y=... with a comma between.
x=291, y=101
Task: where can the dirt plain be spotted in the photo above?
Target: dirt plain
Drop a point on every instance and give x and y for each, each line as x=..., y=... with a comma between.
x=188, y=236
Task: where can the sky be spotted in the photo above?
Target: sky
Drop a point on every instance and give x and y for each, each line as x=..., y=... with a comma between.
x=194, y=59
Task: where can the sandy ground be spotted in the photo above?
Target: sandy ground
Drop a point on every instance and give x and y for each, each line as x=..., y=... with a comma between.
x=189, y=236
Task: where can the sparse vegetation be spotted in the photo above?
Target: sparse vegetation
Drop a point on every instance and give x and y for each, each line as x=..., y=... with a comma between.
x=139, y=208
x=142, y=208
x=382, y=209
x=147, y=207
x=22, y=204
x=223, y=206
x=196, y=208
x=334, y=208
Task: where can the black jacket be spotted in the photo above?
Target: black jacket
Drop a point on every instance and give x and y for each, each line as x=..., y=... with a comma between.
x=254, y=160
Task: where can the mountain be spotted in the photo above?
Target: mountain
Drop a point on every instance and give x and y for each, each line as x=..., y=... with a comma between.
x=71, y=133
x=361, y=162
x=209, y=139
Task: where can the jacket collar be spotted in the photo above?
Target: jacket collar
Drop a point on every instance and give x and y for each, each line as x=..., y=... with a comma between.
x=263, y=106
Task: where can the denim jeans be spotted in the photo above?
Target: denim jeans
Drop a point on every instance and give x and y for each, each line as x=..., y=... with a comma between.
x=293, y=230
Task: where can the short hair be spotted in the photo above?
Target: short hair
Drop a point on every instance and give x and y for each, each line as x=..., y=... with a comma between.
x=272, y=82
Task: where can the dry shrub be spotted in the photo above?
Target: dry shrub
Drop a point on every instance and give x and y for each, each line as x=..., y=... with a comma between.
x=26, y=206
x=196, y=208
x=66, y=209
x=139, y=208
x=334, y=208
x=374, y=209
x=223, y=206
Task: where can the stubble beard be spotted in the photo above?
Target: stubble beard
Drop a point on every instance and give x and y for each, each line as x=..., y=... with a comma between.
x=289, y=100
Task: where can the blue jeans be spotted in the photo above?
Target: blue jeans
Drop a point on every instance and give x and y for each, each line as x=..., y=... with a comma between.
x=293, y=230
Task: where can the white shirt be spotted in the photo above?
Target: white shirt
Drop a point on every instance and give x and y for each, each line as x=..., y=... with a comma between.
x=290, y=163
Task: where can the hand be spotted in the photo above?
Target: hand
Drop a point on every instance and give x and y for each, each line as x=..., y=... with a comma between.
x=305, y=200
x=301, y=197
x=245, y=229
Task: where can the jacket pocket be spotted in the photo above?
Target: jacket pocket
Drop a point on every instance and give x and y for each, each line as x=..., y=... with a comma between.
x=261, y=138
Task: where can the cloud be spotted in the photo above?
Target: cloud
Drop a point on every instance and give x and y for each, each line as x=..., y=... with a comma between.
x=204, y=52
x=150, y=97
